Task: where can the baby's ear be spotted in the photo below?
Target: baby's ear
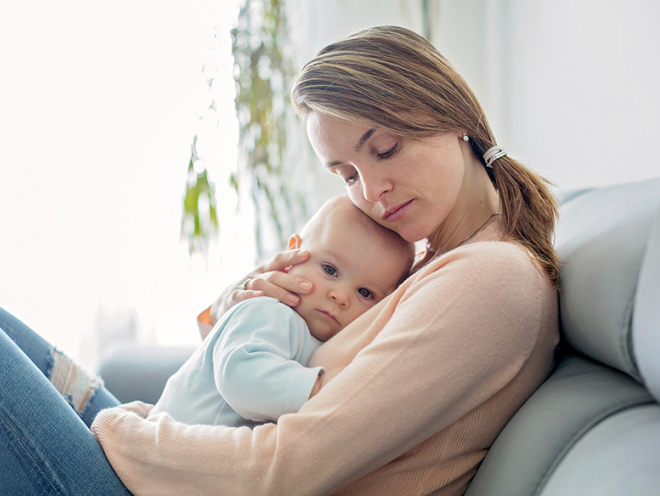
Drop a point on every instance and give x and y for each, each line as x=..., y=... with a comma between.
x=294, y=242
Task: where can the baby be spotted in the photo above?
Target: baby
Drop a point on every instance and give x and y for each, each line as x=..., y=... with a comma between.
x=252, y=367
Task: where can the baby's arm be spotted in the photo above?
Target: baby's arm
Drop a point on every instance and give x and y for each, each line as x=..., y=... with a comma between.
x=260, y=361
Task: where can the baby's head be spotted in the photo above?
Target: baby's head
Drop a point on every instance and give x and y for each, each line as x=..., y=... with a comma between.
x=354, y=264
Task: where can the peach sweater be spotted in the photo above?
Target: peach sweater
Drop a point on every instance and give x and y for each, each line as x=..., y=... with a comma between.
x=428, y=379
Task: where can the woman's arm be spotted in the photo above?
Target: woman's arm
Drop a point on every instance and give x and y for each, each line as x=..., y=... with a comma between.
x=444, y=344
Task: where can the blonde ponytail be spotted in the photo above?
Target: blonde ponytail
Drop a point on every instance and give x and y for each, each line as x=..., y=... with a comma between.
x=529, y=212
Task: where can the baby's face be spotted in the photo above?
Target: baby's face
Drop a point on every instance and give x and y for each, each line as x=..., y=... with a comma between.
x=351, y=272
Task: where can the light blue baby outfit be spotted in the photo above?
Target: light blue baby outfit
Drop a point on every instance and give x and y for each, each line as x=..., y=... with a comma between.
x=250, y=369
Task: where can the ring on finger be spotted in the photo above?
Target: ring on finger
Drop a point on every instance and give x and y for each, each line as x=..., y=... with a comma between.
x=245, y=283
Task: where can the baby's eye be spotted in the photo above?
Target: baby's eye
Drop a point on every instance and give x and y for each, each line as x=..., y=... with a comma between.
x=330, y=270
x=365, y=293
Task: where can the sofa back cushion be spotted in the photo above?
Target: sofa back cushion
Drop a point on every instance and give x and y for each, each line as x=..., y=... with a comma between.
x=601, y=239
x=646, y=314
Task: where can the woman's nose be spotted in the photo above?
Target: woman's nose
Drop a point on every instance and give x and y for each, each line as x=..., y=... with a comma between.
x=374, y=185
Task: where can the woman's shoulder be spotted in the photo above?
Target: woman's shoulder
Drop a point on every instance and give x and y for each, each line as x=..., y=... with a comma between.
x=486, y=281
x=494, y=255
x=485, y=288
x=502, y=266
x=507, y=253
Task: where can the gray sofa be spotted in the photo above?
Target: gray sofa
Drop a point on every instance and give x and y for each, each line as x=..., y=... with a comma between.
x=593, y=428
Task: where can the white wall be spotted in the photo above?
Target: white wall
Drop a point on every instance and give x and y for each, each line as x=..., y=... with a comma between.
x=99, y=102
x=570, y=86
x=316, y=23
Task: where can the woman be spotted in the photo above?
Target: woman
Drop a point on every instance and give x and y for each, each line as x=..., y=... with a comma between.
x=417, y=389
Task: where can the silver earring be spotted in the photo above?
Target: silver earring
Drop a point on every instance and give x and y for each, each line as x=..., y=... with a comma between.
x=466, y=137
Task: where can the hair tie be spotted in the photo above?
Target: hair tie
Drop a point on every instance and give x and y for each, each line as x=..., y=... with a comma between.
x=492, y=154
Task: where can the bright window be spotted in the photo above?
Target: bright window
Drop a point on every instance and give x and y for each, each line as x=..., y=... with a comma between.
x=99, y=102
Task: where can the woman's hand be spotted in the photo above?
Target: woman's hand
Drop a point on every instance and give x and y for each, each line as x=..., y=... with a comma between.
x=269, y=279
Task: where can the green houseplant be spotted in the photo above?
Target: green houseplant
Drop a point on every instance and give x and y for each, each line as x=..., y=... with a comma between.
x=262, y=74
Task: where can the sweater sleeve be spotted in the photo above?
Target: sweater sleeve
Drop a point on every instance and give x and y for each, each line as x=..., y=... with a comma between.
x=461, y=331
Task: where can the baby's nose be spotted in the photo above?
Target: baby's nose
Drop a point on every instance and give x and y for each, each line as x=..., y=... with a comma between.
x=340, y=296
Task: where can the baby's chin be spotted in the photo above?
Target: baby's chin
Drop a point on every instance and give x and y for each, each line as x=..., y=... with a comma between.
x=323, y=333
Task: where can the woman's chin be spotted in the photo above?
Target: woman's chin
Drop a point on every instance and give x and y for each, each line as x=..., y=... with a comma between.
x=411, y=234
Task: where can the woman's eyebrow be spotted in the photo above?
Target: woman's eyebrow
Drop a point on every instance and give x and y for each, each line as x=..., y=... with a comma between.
x=363, y=139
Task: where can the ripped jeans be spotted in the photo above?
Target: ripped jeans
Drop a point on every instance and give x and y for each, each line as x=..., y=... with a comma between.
x=46, y=447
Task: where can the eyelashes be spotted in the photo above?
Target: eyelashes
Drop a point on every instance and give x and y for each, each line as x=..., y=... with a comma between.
x=351, y=180
x=389, y=152
x=355, y=176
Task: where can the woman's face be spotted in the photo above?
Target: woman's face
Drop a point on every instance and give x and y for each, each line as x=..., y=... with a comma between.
x=409, y=186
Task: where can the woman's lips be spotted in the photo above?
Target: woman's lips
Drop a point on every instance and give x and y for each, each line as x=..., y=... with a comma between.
x=395, y=213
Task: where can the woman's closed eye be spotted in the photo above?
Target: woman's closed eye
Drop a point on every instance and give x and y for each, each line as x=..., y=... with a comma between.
x=348, y=174
x=388, y=153
x=352, y=179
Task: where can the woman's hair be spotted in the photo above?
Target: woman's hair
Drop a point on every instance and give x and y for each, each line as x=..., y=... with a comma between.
x=392, y=79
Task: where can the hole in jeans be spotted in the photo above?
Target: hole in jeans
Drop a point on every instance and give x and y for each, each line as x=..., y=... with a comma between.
x=72, y=381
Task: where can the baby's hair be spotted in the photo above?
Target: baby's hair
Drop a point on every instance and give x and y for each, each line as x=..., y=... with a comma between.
x=342, y=205
x=392, y=239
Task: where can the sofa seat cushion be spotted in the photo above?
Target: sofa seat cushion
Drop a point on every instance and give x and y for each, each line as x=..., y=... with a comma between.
x=619, y=456
x=578, y=396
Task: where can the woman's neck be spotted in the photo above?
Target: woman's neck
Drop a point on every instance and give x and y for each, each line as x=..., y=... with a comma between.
x=474, y=210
